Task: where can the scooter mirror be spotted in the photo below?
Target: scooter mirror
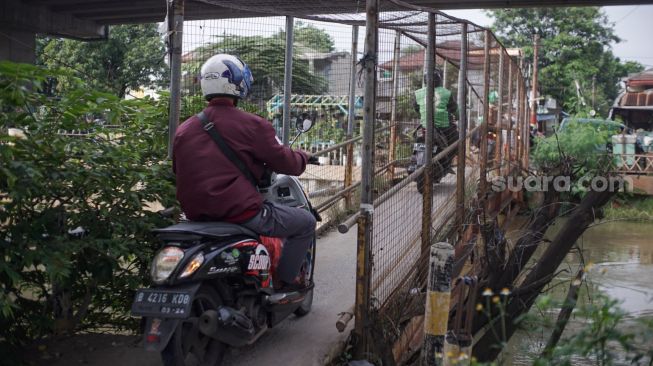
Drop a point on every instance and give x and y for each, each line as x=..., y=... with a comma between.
x=307, y=124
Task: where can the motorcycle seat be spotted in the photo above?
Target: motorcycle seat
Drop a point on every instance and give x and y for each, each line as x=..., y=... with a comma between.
x=214, y=230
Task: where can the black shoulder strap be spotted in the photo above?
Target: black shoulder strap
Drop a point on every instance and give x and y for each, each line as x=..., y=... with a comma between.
x=226, y=150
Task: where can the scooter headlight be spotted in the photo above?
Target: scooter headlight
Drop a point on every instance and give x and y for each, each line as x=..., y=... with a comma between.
x=193, y=265
x=165, y=262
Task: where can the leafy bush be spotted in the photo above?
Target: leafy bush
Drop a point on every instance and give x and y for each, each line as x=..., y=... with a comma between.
x=580, y=142
x=74, y=209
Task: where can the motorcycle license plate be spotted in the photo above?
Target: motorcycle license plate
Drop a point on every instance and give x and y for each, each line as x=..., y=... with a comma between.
x=173, y=303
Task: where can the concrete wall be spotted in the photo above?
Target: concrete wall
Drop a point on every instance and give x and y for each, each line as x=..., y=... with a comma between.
x=17, y=46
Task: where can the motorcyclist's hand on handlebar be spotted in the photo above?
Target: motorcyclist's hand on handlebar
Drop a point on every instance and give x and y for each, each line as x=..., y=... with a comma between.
x=313, y=160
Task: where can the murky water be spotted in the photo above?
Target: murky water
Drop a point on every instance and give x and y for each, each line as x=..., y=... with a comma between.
x=622, y=254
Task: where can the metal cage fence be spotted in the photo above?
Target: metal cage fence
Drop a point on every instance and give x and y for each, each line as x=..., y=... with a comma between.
x=328, y=87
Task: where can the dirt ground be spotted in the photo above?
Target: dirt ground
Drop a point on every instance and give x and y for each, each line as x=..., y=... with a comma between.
x=92, y=349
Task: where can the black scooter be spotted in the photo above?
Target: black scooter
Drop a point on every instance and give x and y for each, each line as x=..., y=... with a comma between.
x=214, y=284
x=418, y=158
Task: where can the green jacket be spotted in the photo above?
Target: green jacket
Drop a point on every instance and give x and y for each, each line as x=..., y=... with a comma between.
x=445, y=107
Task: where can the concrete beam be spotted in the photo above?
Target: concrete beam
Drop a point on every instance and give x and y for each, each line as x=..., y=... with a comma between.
x=17, y=46
x=38, y=19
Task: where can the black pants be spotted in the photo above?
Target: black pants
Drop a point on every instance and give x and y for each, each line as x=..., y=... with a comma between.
x=296, y=225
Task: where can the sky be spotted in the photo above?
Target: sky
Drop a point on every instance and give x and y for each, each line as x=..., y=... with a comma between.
x=632, y=25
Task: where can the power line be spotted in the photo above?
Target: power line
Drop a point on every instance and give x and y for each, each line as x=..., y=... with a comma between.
x=627, y=15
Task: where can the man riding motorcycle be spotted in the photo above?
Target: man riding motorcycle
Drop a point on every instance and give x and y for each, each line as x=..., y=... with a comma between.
x=445, y=111
x=212, y=186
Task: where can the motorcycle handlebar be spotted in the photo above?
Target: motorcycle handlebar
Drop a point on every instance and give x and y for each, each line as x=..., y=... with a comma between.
x=313, y=160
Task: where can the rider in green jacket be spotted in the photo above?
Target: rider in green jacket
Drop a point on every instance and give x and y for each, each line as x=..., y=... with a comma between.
x=445, y=113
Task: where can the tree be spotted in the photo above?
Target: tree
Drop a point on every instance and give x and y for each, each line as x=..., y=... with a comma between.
x=575, y=46
x=132, y=57
x=309, y=36
x=266, y=58
x=410, y=49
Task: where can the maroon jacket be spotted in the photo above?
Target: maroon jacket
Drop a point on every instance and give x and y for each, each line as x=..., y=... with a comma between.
x=209, y=186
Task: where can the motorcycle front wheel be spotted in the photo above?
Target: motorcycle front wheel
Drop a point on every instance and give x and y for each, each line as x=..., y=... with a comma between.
x=188, y=345
x=309, y=267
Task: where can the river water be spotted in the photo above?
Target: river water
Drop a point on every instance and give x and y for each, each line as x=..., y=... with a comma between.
x=622, y=257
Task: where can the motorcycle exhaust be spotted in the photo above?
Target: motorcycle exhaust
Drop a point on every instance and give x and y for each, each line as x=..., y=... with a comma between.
x=228, y=326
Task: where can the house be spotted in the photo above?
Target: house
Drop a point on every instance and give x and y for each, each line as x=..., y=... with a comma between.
x=334, y=67
x=411, y=70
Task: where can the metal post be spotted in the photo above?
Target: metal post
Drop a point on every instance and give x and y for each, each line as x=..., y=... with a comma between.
x=536, y=46
x=498, y=150
x=175, y=31
x=486, y=115
x=287, y=80
x=438, y=297
x=365, y=222
x=445, y=74
x=527, y=131
x=462, y=131
x=351, y=117
x=520, y=90
x=393, y=107
x=427, y=193
x=509, y=129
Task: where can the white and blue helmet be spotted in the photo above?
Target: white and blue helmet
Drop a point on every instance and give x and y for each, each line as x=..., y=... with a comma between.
x=225, y=75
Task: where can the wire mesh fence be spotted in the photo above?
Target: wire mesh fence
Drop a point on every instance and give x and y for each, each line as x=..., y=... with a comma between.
x=327, y=87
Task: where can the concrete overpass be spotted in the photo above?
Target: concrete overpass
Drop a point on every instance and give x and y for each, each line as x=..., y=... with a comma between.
x=21, y=20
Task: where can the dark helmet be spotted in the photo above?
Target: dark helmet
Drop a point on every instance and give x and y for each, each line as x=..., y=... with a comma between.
x=437, y=77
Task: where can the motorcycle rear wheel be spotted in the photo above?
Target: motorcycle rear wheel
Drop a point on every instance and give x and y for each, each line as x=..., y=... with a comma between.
x=188, y=346
x=307, y=303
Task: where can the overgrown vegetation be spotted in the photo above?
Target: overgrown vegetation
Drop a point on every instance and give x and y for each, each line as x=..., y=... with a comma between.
x=583, y=143
x=600, y=338
x=628, y=207
x=579, y=151
x=132, y=57
x=74, y=209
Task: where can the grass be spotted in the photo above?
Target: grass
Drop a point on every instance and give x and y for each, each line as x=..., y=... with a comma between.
x=635, y=208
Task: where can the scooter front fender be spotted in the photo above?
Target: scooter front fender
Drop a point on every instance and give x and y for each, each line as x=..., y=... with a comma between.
x=158, y=332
